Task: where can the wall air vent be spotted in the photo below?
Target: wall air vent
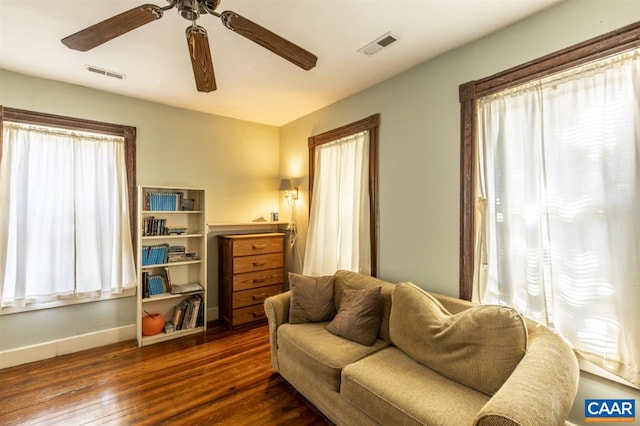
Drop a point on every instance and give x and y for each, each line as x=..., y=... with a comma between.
x=378, y=44
x=104, y=72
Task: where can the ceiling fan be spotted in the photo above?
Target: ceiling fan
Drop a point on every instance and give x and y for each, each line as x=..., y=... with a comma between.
x=197, y=39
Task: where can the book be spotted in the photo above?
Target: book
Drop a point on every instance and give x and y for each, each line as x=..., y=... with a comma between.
x=167, y=276
x=186, y=288
x=154, y=254
x=163, y=201
x=157, y=285
x=175, y=230
x=145, y=284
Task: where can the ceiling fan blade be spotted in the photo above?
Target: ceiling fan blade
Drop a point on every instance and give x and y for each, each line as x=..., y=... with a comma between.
x=201, y=62
x=113, y=27
x=265, y=38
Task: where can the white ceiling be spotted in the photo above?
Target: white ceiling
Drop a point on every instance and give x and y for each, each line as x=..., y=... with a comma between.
x=253, y=83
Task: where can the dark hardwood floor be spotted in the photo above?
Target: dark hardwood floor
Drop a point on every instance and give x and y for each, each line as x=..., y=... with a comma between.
x=219, y=378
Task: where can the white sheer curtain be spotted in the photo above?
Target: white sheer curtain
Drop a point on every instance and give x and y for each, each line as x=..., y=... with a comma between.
x=64, y=215
x=339, y=236
x=560, y=234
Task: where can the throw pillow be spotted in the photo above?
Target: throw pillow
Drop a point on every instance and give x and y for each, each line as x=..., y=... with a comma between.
x=359, y=316
x=311, y=299
x=479, y=347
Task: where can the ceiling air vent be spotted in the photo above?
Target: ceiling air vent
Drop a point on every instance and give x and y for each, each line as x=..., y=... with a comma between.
x=378, y=44
x=104, y=72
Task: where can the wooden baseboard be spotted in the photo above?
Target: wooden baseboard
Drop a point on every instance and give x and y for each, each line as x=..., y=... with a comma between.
x=68, y=345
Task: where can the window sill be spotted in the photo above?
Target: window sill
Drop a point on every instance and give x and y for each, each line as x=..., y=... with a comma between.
x=8, y=310
x=590, y=367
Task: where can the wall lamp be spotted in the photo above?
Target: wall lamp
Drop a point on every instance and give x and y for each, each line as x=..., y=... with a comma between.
x=290, y=188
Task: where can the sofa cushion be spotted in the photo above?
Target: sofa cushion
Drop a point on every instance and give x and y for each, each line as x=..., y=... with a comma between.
x=394, y=389
x=320, y=353
x=359, y=315
x=311, y=299
x=354, y=281
x=478, y=347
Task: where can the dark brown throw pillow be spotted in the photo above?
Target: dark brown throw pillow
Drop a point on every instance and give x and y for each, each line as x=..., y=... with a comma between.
x=359, y=316
x=311, y=299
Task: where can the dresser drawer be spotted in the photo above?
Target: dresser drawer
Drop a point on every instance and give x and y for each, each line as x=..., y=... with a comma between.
x=255, y=296
x=253, y=246
x=257, y=279
x=258, y=262
x=248, y=314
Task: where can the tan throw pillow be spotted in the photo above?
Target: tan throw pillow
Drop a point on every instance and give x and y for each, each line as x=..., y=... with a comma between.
x=311, y=299
x=479, y=347
x=358, y=318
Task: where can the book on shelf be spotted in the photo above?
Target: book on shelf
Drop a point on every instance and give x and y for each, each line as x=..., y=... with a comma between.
x=145, y=284
x=176, y=254
x=163, y=201
x=152, y=226
x=175, y=230
x=189, y=313
x=157, y=284
x=167, y=279
x=154, y=254
x=186, y=288
x=192, y=256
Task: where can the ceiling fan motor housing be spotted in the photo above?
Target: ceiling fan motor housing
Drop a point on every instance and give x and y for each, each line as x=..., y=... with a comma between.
x=188, y=9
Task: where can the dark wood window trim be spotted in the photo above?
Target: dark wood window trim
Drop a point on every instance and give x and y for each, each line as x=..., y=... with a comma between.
x=372, y=124
x=127, y=132
x=617, y=41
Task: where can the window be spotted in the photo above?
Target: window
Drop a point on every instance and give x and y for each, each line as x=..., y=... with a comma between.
x=65, y=217
x=550, y=195
x=343, y=171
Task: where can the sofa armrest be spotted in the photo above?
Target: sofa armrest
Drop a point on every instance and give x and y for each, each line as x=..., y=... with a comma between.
x=277, y=310
x=541, y=389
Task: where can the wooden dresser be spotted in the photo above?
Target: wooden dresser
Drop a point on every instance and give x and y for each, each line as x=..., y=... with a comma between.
x=251, y=269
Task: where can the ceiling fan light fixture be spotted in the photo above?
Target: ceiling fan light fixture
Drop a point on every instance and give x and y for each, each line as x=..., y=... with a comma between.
x=188, y=9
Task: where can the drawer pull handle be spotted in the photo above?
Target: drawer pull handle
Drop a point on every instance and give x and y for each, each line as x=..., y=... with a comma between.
x=259, y=296
x=262, y=263
x=257, y=314
x=259, y=246
x=259, y=280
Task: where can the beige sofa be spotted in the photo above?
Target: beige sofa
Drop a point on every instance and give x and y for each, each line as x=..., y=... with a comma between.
x=354, y=384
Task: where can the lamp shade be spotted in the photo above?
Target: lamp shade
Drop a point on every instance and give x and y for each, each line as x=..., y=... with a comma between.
x=287, y=184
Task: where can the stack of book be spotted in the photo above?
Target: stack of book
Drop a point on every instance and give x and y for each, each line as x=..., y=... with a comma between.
x=153, y=226
x=155, y=254
x=176, y=254
x=163, y=201
x=186, y=288
x=154, y=284
x=176, y=230
x=189, y=313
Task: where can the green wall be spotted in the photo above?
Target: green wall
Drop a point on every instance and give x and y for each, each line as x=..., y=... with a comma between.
x=419, y=146
x=420, y=136
x=236, y=161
